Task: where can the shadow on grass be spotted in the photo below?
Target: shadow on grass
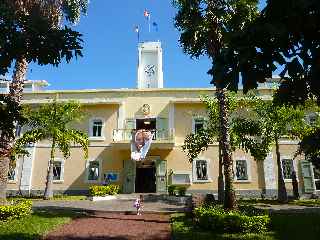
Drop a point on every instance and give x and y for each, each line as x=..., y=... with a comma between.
x=293, y=225
x=284, y=226
x=20, y=236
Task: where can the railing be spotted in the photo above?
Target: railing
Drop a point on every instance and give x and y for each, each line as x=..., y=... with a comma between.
x=120, y=135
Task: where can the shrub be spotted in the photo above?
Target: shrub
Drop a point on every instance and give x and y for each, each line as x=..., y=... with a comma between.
x=216, y=219
x=181, y=190
x=171, y=190
x=18, y=209
x=103, y=190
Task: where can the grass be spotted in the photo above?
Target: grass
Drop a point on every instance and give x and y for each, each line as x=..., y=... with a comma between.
x=36, y=225
x=301, y=202
x=56, y=198
x=307, y=202
x=284, y=226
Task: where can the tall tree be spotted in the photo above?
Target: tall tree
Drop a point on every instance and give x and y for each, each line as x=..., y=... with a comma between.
x=205, y=27
x=52, y=121
x=31, y=30
x=267, y=124
x=285, y=38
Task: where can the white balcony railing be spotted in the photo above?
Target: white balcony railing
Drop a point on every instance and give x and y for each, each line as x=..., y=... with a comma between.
x=159, y=135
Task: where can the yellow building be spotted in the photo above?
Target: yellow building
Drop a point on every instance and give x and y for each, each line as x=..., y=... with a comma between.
x=170, y=114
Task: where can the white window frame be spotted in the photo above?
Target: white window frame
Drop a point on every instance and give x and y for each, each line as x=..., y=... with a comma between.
x=194, y=118
x=91, y=121
x=194, y=170
x=61, y=180
x=242, y=158
x=295, y=167
x=16, y=170
x=87, y=170
x=181, y=173
x=314, y=179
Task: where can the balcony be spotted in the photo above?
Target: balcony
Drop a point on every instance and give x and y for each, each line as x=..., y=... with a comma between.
x=162, y=138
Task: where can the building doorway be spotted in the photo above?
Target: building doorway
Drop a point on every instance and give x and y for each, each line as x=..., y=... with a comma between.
x=145, y=177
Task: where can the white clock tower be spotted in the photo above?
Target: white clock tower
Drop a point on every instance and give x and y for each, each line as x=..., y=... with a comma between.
x=150, y=73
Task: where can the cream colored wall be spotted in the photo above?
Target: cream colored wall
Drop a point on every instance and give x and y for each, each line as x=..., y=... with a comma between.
x=184, y=113
x=112, y=157
x=159, y=106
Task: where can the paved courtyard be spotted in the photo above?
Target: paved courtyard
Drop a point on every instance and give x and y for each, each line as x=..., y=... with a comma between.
x=119, y=205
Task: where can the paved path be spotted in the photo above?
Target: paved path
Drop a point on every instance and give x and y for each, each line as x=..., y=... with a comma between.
x=119, y=205
x=288, y=208
x=115, y=226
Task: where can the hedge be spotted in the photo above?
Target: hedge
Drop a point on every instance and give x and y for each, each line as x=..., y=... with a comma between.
x=244, y=221
x=104, y=190
x=18, y=209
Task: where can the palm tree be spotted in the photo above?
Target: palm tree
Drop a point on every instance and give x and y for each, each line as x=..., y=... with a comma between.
x=52, y=121
x=53, y=11
x=205, y=27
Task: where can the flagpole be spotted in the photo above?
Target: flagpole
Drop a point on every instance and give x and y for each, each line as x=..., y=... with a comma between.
x=149, y=23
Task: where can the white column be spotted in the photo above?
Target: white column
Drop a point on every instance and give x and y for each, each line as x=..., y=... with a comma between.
x=26, y=174
x=269, y=172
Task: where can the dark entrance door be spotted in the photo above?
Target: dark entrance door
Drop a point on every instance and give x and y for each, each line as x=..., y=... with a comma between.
x=146, y=179
x=147, y=124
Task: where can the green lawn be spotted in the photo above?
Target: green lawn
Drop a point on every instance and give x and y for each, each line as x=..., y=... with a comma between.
x=35, y=225
x=284, y=226
x=56, y=197
x=301, y=202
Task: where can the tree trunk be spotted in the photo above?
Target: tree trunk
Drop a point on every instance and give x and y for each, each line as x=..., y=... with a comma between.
x=4, y=168
x=295, y=185
x=230, y=201
x=7, y=136
x=282, y=191
x=48, y=193
x=220, y=177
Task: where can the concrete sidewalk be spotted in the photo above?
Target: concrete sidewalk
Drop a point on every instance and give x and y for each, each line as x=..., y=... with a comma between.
x=119, y=205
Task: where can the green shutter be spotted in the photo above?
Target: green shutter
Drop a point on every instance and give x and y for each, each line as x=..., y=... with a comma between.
x=130, y=124
x=129, y=176
x=308, y=181
x=161, y=172
x=162, y=128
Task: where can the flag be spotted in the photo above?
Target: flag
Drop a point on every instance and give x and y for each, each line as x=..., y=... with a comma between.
x=146, y=13
x=137, y=30
x=155, y=25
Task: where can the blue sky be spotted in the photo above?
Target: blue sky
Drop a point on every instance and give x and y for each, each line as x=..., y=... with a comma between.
x=110, y=49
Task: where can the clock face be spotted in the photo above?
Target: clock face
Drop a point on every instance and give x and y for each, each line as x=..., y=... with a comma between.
x=150, y=70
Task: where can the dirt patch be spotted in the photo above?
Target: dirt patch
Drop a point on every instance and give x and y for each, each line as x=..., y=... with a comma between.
x=115, y=226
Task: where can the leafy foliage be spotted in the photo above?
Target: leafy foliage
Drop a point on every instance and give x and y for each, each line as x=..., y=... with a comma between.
x=104, y=190
x=52, y=121
x=20, y=208
x=216, y=219
x=283, y=36
x=31, y=35
x=195, y=143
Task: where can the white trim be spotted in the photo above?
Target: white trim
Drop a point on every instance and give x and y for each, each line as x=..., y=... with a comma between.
x=194, y=122
x=62, y=160
x=288, y=142
x=171, y=116
x=99, y=138
x=16, y=172
x=121, y=116
x=248, y=162
x=194, y=169
x=294, y=164
x=181, y=173
x=87, y=164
